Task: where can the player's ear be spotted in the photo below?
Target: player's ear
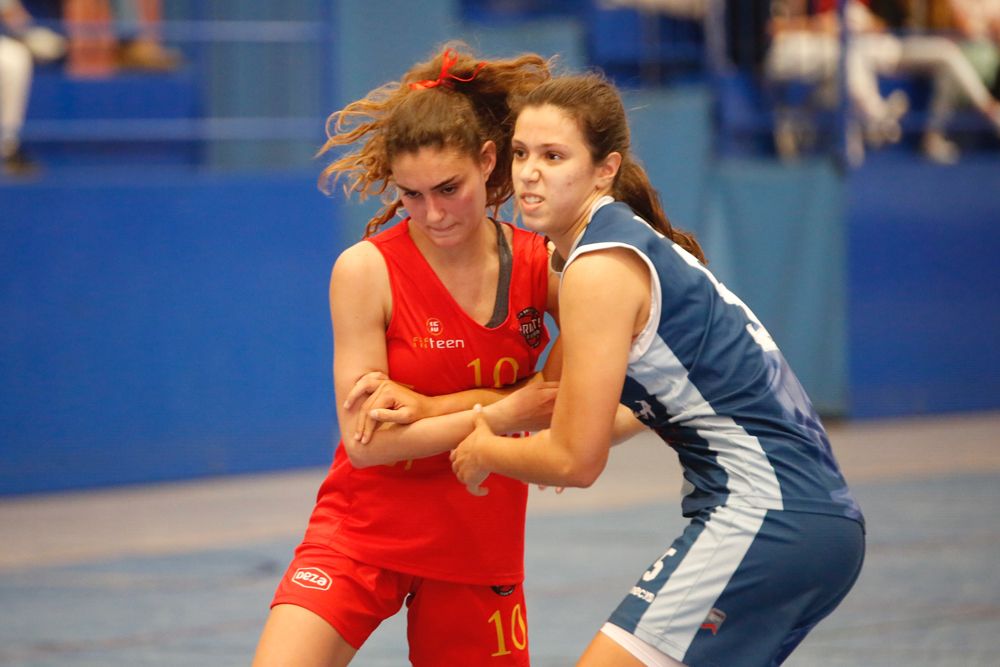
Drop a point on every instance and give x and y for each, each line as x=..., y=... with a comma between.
x=608, y=169
x=488, y=158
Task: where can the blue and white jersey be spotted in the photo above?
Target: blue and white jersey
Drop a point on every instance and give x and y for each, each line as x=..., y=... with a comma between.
x=705, y=375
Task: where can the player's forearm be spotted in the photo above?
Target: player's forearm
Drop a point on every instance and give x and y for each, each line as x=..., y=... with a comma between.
x=426, y=437
x=391, y=443
x=465, y=400
x=543, y=459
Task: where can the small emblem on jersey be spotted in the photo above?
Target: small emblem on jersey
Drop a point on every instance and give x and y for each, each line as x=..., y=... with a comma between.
x=643, y=411
x=312, y=577
x=434, y=326
x=714, y=621
x=504, y=591
x=531, y=326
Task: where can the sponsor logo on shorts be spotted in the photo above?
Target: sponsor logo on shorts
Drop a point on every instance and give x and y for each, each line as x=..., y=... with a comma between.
x=714, y=621
x=312, y=577
x=504, y=591
x=642, y=594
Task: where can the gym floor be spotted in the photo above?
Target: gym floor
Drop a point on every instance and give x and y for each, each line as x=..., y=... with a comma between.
x=181, y=574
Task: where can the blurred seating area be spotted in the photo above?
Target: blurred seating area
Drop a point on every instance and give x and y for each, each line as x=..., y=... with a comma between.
x=165, y=84
x=226, y=85
x=921, y=74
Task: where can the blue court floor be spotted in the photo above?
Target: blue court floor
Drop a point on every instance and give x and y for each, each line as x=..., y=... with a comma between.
x=180, y=575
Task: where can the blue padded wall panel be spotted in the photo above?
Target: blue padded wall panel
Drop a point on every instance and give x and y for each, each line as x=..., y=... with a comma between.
x=924, y=289
x=164, y=330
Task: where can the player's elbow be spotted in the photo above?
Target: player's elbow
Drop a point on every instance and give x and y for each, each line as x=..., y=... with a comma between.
x=359, y=455
x=583, y=478
x=583, y=472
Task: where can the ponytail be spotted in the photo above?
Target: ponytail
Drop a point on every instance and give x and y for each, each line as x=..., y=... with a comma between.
x=632, y=187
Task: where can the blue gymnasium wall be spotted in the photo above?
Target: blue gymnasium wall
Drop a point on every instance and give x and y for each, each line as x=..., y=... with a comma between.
x=163, y=323
x=168, y=325
x=924, y=286
x=171, y=329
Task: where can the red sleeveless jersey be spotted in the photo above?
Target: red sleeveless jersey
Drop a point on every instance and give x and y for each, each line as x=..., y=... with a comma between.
x=415, y=516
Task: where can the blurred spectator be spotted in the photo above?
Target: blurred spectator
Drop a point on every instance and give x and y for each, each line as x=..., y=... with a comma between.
x=806, y=46
x=21, y=42
x=141, y=46
x=977, y=26
x=107, y=35
x=92, y=42
x=939, y=57
x=804, y=50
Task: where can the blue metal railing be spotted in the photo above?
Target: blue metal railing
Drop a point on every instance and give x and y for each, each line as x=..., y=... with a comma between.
x=204, y=44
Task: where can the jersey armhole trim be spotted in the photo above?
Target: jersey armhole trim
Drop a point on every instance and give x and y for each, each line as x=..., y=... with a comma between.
x=644, y=339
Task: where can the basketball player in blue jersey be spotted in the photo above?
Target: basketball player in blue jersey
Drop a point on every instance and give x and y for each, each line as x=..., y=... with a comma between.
x=775, y=539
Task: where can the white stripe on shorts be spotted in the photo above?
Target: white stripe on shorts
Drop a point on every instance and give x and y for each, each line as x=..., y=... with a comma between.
x=682, y=605
x=640, y=650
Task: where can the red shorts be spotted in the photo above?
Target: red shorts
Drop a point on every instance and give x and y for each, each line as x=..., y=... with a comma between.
x=447, y=623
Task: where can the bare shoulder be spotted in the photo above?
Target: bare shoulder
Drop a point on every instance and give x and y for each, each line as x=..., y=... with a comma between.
x=360, y=279
x=359, y=261
x=606, y=286
x=598, y=267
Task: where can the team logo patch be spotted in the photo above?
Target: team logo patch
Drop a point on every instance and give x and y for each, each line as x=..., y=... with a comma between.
x=530, y=321
x=714, y=620
x=312, y=577
x=434, y=326
x=504, y=591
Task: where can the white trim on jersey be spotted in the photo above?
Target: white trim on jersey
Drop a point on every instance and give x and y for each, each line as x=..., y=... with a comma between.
x=752, y=480
x=645, y=336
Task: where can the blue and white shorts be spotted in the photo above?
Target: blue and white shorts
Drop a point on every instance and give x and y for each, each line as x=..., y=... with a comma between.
x=743, y=586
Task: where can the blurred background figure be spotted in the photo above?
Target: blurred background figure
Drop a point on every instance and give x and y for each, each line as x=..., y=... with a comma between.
x=108, y=35
x=91, y=38
x=141, y=42
x=881, y=46
x=976, y=26
x=805, y=48
x=804, y=51
x=21, y=43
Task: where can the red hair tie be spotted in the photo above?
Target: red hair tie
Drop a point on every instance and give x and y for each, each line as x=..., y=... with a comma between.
x=449, y=59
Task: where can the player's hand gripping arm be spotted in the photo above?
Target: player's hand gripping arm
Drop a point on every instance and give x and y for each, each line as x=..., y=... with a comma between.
x=387, y=401
x=604, y=302
x=384, y=401
x=359, y=320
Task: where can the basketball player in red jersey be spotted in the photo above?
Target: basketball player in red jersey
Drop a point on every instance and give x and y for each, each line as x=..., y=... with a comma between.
x=450, y=303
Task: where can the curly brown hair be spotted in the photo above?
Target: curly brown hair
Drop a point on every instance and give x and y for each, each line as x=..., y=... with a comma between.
x=454, y=100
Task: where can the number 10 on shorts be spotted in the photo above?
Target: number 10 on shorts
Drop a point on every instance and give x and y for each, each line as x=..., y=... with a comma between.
x=518, y=631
